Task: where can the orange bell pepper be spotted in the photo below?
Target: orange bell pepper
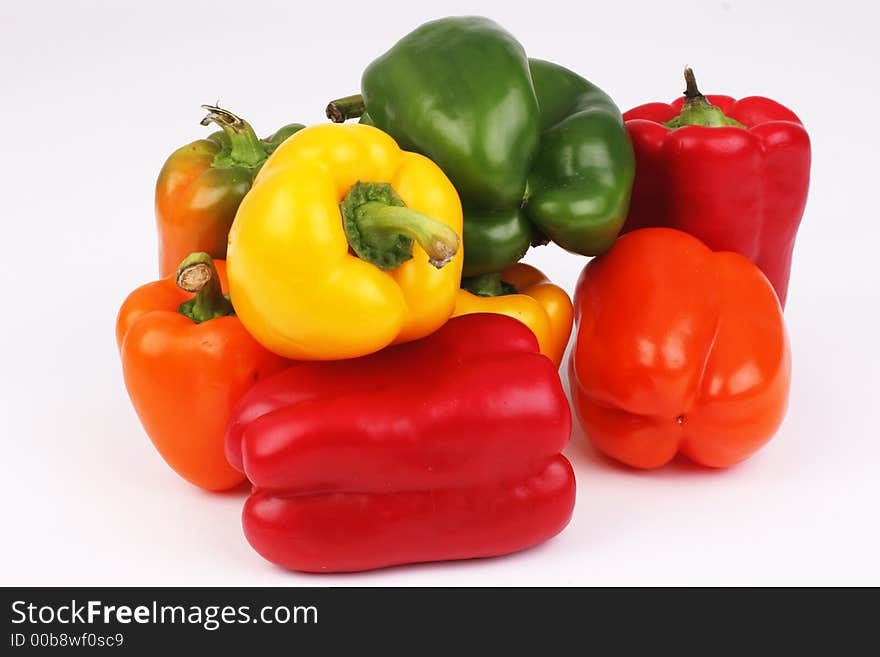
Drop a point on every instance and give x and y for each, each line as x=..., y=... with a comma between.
x=679, y=349
x=186, y=361
x=543, y=307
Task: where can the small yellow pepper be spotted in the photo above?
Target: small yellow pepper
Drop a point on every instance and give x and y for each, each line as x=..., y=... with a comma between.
x=543, y=307
x=345, y=244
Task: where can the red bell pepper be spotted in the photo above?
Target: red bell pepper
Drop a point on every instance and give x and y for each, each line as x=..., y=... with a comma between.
x=679, y=350
x=444, y=448
x=733, y=173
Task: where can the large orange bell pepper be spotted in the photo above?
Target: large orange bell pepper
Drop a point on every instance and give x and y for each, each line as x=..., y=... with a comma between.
x=679, y=349
x=186, y=361
x=539, y=304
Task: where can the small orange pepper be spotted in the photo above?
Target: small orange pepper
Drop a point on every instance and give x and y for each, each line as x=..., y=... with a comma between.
x=539, y=304
x=186, y=360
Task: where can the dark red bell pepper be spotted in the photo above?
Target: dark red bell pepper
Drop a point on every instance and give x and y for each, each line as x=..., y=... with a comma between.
x=443, y=448
x=733, y=173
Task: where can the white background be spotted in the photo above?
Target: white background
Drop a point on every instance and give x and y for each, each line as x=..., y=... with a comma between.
x=96, y=94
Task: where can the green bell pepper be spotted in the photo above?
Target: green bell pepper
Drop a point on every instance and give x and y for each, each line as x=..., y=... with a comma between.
x=536, y=152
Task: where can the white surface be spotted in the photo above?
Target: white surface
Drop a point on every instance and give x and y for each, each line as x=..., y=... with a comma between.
x=95, y=95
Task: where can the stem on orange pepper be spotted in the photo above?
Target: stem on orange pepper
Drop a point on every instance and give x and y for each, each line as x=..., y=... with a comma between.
x=198, y=274
x=246, y=149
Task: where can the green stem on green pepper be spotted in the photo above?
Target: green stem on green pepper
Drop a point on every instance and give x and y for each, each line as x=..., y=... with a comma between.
x=342, y=109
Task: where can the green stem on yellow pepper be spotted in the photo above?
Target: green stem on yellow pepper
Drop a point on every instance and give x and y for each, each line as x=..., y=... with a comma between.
x=381, y=229
x=487, y=285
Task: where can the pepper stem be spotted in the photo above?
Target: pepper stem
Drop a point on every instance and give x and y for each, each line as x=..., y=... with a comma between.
x=697, y=110
x=246, y=149
x=487, y=285
x=198, y=274
x=342, y=109
x=690, y=80
x=381, y=229
x=438, y=240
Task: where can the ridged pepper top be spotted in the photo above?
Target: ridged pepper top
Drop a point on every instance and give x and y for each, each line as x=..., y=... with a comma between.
x=487, y=119
x=295, y=275
x=536, y=152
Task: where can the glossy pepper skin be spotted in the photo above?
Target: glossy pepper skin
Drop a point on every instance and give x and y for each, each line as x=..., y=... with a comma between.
x=737, y=188
x=444, y=448
x=183, y=378
x=679, y=349
x=296, y=283
x=202, y=184
x=535, y=151
x=539, y=304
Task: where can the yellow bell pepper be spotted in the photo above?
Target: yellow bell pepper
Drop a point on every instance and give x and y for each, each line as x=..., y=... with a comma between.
x=345, y=244
x=539, y=304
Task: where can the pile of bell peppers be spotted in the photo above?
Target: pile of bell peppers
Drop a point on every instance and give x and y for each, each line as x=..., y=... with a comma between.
x=344, y=320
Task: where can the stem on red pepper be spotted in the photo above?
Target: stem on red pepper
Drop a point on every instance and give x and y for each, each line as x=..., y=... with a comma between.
x=381, y=229
x=246, y=149
x=198, y=274
x=342, y=109
x=690, y=80
x=487, y=285
x=697, y=110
